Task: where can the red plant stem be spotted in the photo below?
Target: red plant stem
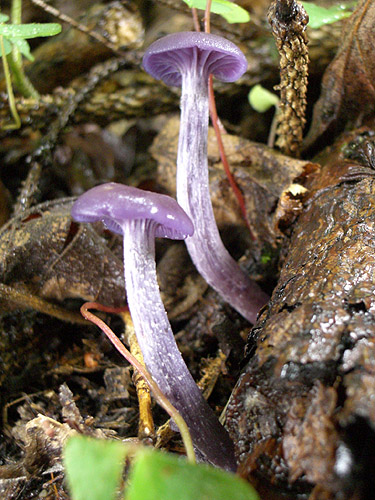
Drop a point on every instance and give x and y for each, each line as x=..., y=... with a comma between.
x=236, y=190
x=207, y=17
x=195, y=19
x=159, y=396
x=217, y=127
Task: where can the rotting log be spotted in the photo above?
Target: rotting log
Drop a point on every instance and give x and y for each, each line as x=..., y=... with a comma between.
x=302, y=414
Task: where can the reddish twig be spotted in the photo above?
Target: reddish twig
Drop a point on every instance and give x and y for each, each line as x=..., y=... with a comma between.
x=233, y=184
x=218, y=127
x=207, y=17
x=159, y=396
x=195, y=19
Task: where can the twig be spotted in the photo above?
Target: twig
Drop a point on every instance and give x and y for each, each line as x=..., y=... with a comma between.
x=146, y=428
x=211, y=373
x=25, y=300
x=80, y=27
x=159, y=396
x=207, y=17
x=233, y=184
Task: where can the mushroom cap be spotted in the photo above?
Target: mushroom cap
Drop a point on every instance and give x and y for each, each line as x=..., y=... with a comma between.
x=168, y=57
x=114, y=203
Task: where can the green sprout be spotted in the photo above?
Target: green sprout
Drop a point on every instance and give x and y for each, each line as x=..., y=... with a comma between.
x=12, y=104
x=231, y=12
x=262, y=99
x=14, y=45
x=15, y=35
x=320, y=16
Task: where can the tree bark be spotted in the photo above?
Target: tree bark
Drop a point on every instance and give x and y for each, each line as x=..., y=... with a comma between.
x=303, y=413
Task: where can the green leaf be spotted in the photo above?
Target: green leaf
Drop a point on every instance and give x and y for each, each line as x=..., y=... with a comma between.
x=265, y=259
x=7, y=46
x=262, y=99
x=3, y=18
x=93, y=467
x=161, y=476
x=23, y=46
x=319, y=16
x=229, y=11
x=32, y=30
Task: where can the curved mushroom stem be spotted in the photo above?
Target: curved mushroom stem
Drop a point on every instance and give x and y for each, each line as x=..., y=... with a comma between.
x=160, y=352
x=205, y=247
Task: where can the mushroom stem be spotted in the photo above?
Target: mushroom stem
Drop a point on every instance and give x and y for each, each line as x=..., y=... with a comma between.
x=160, y=352
x=205, y=247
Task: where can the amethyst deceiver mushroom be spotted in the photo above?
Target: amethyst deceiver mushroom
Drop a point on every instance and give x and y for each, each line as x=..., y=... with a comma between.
x=140, y=216
x=187, y=59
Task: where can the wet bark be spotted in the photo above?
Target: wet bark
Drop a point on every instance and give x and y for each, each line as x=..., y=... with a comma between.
x=302, y=413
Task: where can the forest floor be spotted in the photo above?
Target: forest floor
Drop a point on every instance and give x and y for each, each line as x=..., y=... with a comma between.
x=300, y=382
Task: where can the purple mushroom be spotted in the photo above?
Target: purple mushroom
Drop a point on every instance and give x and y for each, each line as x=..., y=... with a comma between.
x=140, y=216
x=187, y=59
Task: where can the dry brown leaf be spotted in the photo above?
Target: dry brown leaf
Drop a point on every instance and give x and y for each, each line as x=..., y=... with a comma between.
x=47, y=253
x=262, y=175
x=348, y=92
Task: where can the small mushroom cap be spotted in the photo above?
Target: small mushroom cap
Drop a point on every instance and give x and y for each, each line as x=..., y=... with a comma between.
x=114, y=203
x=168, y=57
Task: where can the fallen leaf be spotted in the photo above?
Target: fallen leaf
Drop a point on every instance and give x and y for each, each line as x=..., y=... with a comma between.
x=348, y=92
x=262, y=175
x=46, y=253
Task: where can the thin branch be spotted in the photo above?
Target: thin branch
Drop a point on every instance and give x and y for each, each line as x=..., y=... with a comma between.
x=25, y=300
x=81, y=27
x=146, y=429
x=233, y=184
x=207, y=17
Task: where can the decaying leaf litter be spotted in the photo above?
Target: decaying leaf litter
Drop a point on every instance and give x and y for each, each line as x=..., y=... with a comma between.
x=304, y=402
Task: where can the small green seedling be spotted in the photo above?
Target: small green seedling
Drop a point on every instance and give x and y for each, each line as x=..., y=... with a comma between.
x=94, y=469
x=262, y=99
x=12, y=103
x=231, y=12
x=319, y=16
x=15, y=35
x=13, y=44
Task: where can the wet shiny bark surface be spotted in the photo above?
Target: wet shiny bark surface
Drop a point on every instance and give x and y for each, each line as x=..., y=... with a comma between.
x=307, y=388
